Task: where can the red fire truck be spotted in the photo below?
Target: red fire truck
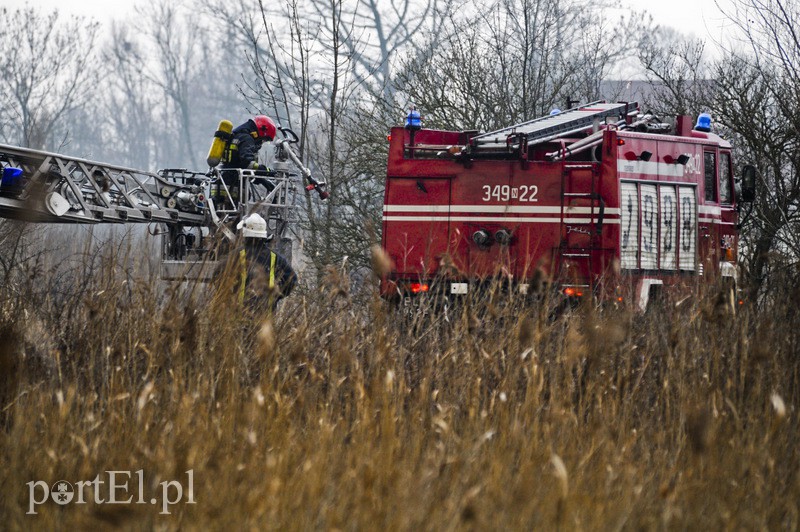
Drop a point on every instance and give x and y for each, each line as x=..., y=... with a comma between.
x=603, y=200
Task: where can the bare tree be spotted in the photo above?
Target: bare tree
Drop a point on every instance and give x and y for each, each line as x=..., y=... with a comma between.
x=759, y=101
x=130, y=103
x=337, y=89
x=747, y=104
x=510, y=61
x=48, y=77
x=311, y=87
x=772, y=34
x=177, y=61
x=460, y=86
x=47, y=72
x=374, y=32
x=280, y=55
x=604, y=48
x=681, y=80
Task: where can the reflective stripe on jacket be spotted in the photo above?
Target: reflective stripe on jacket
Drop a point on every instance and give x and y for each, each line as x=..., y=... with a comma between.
x=286, y=277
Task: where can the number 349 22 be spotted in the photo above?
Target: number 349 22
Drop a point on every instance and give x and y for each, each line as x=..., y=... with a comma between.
x=506, y=193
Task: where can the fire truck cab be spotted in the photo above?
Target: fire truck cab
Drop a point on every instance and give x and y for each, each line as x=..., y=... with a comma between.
x=602, y=200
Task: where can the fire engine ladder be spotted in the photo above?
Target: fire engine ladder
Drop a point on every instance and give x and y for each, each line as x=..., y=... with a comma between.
x=64, y=189
x=581, y=220
x=548, y=128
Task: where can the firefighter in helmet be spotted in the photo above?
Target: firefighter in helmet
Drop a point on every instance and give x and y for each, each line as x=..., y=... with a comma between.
x=241, y=152
x=263, y=277
x=246, y=141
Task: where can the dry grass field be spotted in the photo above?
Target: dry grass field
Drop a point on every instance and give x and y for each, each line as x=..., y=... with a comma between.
x=340, y=413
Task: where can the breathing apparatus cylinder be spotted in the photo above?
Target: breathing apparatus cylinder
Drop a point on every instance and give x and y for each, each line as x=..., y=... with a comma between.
x=221, y=138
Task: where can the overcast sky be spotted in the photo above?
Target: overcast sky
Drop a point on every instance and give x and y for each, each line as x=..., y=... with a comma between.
x=701, y=17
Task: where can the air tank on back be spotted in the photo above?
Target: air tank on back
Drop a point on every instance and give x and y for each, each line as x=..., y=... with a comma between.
x=221, y=138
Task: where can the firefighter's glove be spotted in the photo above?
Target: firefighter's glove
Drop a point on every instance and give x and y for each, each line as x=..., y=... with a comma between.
x=261, y=169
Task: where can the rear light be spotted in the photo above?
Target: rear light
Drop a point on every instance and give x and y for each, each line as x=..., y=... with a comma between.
x=416, y=288
x=620, y=142
x=389, y=137
x=572, y=292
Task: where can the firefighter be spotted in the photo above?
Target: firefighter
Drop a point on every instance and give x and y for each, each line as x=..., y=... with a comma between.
x=263, y=277
x=242, y=150
x=246, y=142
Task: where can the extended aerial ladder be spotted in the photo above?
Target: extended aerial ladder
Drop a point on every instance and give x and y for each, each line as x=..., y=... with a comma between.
x=190, y=209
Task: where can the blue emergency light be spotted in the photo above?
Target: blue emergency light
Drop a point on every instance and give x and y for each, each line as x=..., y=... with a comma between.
x=11, y=183
x=12, y=177
x=703, y=123
x=555, y=111
x=413, y=120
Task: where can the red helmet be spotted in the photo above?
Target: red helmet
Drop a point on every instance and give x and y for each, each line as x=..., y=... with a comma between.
x=265, y=127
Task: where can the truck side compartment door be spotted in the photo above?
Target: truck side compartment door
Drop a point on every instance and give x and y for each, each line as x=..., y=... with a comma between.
x=416, y=224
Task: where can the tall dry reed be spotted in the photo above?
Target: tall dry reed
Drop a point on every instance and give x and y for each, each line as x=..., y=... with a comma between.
x=341, y=412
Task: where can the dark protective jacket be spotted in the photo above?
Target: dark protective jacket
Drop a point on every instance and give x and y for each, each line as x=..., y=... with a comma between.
x=242, y=151
x=265, y=277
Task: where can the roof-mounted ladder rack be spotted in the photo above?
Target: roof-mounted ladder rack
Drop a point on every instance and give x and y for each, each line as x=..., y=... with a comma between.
x=544, y=129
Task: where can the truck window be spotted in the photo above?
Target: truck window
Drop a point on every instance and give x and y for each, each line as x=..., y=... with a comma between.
x=725, y=178
x=710, y=168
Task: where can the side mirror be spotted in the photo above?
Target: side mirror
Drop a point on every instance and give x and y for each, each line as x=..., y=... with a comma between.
x=748, y=194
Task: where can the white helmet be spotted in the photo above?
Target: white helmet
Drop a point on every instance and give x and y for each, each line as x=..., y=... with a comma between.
x=253, y=226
